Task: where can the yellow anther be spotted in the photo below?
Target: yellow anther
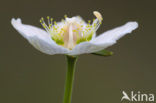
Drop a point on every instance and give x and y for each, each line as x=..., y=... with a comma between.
x=51, y=19
x=55, y=23
x=74, y=30
x=44, y=25
x=65, y=16
x=42, y=18
x=50, y=25
x=89, y=21
x=47, y=17
x=62, y=29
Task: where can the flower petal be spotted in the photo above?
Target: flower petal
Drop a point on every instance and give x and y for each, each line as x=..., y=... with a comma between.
x=104, y=40
x=117, y=33
x=39, y=38
x=87, y=47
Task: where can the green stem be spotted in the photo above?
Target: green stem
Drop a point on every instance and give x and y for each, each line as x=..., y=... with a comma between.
x=71, y=61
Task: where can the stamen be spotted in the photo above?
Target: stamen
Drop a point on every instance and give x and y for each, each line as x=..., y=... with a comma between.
x=98, y=15
x=55, y=23
x=51, y=21
x=71, y=32
x=48, y=20
x=65, y=16
x=89, y=21
x=98, y=21
x=44, y=25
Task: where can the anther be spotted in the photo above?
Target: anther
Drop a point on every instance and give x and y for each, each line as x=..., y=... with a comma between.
x=89, y=21
x=65, y=16
x=98, y=15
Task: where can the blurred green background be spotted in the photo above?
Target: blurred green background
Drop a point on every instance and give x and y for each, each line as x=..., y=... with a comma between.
x=28, y=76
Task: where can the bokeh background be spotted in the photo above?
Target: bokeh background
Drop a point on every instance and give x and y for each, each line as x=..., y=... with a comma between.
x=28, y=76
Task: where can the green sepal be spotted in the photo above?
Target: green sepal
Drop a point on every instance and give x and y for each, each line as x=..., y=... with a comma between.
x=103, y=53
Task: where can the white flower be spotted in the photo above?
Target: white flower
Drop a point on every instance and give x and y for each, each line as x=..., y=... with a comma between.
x=72, y=36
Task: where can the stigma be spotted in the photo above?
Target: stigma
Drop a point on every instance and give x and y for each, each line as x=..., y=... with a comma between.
x=71, y=31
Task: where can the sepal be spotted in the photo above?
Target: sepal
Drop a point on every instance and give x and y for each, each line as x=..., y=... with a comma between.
x=103, y=53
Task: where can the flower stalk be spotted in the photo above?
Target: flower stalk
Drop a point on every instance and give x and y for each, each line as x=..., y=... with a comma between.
x=71, y=62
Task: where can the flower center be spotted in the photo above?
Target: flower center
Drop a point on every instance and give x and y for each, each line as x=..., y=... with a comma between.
x=72, y=31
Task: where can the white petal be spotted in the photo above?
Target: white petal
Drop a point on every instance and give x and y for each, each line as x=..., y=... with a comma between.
x=115, y=34
x=88, y=47
x=39, y=38
x=104, y=40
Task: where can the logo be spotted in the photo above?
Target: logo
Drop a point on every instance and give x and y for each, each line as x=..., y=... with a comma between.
x=138, y=96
